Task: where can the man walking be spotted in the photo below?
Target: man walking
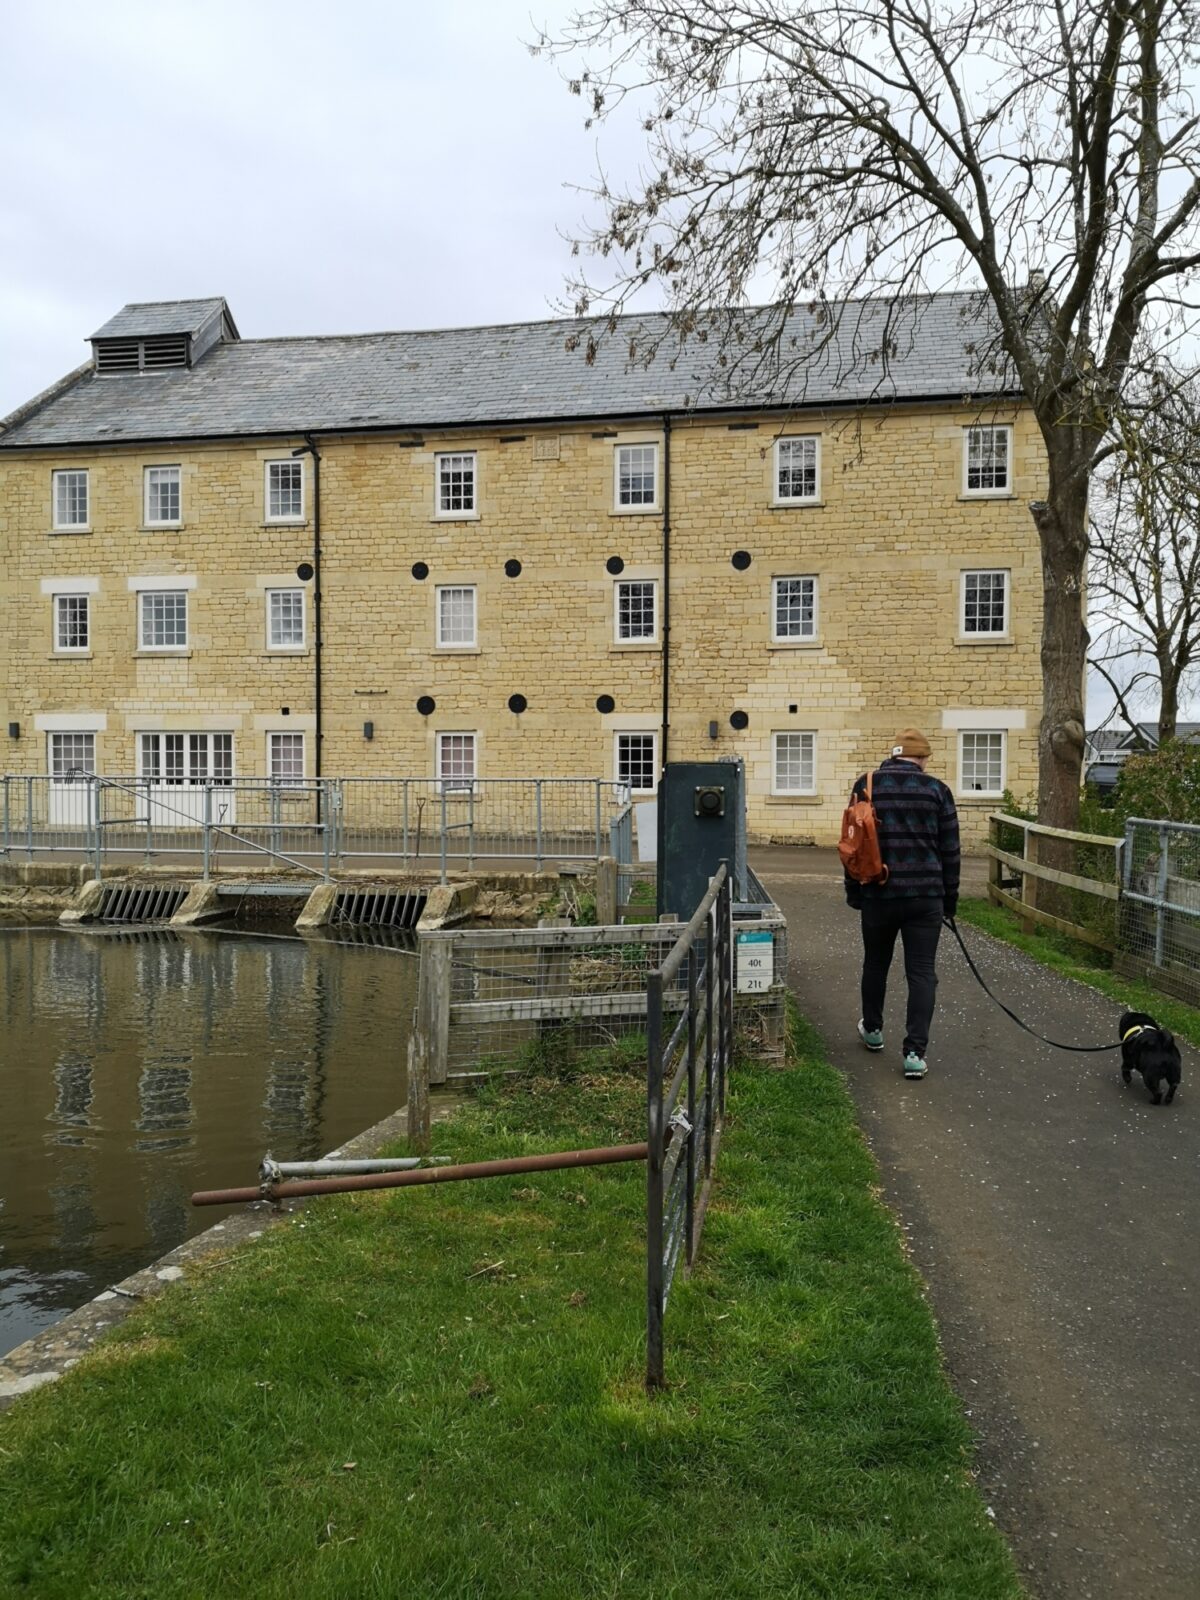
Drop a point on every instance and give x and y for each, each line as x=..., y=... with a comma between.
x=918, y=840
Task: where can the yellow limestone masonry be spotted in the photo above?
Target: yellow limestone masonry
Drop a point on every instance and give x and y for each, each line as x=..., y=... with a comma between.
x=887, y=540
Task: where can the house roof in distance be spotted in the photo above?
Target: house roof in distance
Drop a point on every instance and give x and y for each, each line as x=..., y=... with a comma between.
x=868, y=351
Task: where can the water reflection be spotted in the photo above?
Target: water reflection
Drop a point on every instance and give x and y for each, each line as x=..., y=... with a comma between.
x=137, y=1066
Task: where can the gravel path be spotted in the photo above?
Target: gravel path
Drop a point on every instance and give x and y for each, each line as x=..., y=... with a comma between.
x=1055, y=1216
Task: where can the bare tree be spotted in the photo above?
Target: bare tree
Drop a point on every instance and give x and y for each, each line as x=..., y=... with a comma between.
x=1046, y=152
x=1144, y=585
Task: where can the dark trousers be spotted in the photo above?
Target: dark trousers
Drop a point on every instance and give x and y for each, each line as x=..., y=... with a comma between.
x=919, y=924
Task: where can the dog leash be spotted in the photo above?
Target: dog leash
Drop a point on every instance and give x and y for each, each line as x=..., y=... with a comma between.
x=1079, y=1049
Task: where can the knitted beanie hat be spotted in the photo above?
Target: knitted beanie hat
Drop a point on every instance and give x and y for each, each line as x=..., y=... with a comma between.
x=911, y=742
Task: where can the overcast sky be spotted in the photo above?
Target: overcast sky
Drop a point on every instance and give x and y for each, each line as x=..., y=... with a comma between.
x=327, y=168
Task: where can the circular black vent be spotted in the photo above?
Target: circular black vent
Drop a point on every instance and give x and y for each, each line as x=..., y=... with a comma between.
x=426, y=705
x=517, y=703
x=739, y=719
x=512, y=569
x=304, y=571
x=615, y=565
x=605, y=703
x=420, y=570
x=740, y=559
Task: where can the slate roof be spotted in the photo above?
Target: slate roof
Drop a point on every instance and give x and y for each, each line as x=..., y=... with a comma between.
x=520, y=373
x=144, y=320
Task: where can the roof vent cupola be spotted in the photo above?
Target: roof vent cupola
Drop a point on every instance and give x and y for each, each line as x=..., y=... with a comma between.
x=161, y=335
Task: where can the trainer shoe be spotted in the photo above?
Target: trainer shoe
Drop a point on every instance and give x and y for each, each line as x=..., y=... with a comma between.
x=914, y=1066
x=871, y=1037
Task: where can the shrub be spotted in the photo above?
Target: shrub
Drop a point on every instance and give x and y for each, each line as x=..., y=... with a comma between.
x=1164, y=785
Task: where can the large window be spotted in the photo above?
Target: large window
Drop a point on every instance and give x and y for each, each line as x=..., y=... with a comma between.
x=636, y=477
x=981, y=763
x=637, y=610
x=164, y=619
x=456, y=760
x=163, y=504
x=986, y=460
x=173, y=760
x=72, y=754
x=456, y=617
x=637, y=761
x=70, y=494
x=285, y=619
x=72, y=623
x=793, y=609
x=456, y=485
x=794, y=763
x=284, y=491
x=285, y=758
x=798, y=469
x=984, y=603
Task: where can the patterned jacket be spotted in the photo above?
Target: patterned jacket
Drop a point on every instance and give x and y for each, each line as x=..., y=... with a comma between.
x=918, y=836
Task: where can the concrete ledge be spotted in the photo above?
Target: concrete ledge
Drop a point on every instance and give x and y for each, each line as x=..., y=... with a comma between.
x=448, y=903
x=318, y=908
x=203, y=905
x=45, y=874
x=87, y=904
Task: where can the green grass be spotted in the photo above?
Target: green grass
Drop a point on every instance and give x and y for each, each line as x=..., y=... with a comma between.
x=1083, y=963
x=439, y=1392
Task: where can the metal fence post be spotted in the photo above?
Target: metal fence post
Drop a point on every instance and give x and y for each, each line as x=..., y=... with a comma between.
x=471, y=826
x=443, y=844
x=7, y=839
x=29, y=814
x=690, y=1153
x=207, y=828
x=709, y=968
x=537, y=787
x=404, y=804
x=96, y=794
x=1160, y=915
x=654, y=1183
x=598, y=809
x=329, y=816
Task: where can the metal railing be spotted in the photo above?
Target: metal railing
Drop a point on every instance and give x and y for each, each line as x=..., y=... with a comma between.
x=308, y=824
x=686, y=1073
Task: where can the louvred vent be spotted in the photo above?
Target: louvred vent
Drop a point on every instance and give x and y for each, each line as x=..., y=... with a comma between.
x=142, y=355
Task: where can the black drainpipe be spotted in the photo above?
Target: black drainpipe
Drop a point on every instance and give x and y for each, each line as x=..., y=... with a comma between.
x=310, y=448
x=666, y=611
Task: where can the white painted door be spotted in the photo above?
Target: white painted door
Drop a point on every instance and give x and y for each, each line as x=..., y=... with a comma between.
x=72, y=799
x=175, y=769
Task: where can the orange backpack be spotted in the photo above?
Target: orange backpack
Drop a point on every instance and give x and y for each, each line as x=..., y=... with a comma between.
x=859, y=844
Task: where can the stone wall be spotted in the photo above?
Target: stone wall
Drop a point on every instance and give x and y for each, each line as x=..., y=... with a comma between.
x=888, y=541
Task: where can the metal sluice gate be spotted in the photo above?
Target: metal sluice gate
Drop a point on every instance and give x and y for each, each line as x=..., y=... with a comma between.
x=141, y=902
x=379, y=908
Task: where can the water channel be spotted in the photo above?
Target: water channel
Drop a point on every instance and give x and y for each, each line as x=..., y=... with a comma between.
x=137, y=1066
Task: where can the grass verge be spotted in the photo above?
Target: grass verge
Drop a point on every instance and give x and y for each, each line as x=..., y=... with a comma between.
x=1088, y=966
x=439, y=1392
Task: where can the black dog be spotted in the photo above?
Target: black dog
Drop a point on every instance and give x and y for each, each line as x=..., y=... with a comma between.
x=1152, y=1051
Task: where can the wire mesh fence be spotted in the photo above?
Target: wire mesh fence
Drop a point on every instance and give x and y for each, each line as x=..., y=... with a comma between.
x=1160, y=905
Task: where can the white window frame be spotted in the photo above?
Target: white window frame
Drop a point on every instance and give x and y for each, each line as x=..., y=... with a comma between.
x=793, y=733
x=462, y=513
x=797, y=499
x=69, y=733
x=991, y=493
x=989, y=635
x=186, y=777
x=292, y=780
x=161, y=522
x=455, y=785
x=975, y=733
x=292, y=517
x=635, y=733
x=292, y=645
x=163, y=649
x=796, y=638
x=56, y=601
x=627, y=638
x=641, y=507
x=457, y=588
x=71, y=527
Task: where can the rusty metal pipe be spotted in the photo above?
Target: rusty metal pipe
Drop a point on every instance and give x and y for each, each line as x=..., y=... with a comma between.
x=602, y=1157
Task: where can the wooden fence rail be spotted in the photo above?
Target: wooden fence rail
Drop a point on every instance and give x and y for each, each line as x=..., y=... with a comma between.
x=1034, y=871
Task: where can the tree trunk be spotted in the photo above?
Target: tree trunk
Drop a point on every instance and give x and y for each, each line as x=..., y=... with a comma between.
x=1168, y=709
x=1061, y=522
